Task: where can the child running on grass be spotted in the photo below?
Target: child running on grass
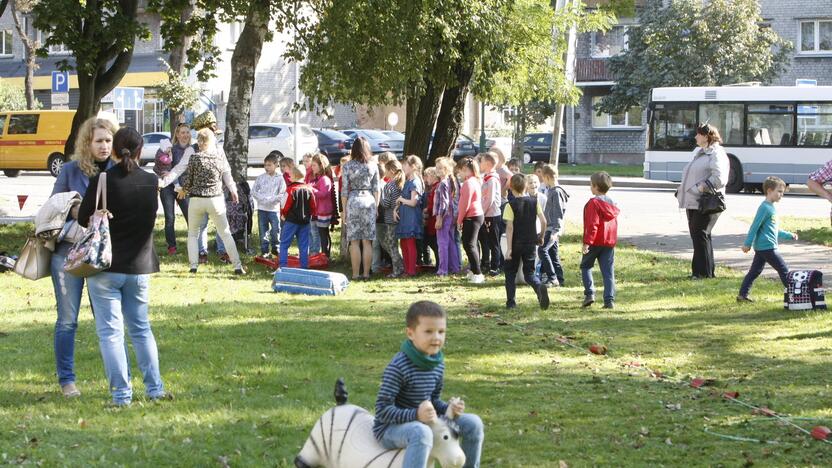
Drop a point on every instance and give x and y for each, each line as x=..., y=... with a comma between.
x=521, y=215
x=409, y=399
x=763, y=236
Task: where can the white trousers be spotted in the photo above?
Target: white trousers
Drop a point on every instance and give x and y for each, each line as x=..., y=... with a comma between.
x=215, y=209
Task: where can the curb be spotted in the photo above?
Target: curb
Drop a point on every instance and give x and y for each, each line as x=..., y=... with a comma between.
x=635, y=182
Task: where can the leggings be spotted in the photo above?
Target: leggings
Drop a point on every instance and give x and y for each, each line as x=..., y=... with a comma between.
x=326, y=241
x=470, y=233
x=409, y=255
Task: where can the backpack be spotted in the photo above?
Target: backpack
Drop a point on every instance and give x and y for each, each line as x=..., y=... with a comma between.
x=300, y=212
x=804, y=291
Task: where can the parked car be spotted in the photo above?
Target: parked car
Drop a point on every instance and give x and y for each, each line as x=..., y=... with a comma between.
x=503, y=143
x=379, y=142
x=538, y=146
x=263, y=138
x=151, y=145
x=333, y=144
x=465, y=147
x=33, y=140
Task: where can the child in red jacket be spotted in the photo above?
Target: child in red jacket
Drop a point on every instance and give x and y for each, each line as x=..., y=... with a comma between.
x=297, y=213
x=600, y=236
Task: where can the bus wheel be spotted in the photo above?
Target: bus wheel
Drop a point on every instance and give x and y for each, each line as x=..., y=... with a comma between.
x=735, y=183
x=55, y=163
x=11, y=172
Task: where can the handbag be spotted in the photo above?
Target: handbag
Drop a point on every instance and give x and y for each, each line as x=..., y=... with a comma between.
x=711, y=202
x=94, y=252
x=34, y=260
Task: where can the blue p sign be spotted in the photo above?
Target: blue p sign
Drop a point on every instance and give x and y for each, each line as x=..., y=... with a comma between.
x=60, y=82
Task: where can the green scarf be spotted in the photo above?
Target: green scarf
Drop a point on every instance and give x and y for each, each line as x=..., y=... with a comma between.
x=420, y=359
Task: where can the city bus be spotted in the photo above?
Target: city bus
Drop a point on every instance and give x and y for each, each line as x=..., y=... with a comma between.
x=778, y=131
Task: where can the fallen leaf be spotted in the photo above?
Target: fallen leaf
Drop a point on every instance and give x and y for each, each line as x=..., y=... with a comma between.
x=562, y=464
x=763, y=411
x=644, y=431
x=82, y=423
x=223, y=461
x=731, y=395
x=668, y=441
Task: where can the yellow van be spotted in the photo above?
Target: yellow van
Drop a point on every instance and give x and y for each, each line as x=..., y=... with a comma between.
x=33, y=140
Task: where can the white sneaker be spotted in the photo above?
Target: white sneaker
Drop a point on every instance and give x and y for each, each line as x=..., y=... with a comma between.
x=478, y=279
x=469, y=274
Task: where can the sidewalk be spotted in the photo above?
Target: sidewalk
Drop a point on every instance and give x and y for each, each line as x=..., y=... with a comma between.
x=640, y=182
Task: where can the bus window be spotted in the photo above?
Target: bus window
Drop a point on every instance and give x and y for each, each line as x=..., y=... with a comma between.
x=814, y=124
x=770, y=124
x=727, y=118
x=23, y=124
x=673, y=127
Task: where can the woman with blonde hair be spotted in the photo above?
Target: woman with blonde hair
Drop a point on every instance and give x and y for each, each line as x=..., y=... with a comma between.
x=93, y=148
x=207, y=171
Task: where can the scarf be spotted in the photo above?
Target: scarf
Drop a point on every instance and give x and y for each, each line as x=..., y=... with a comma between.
x=420, y=359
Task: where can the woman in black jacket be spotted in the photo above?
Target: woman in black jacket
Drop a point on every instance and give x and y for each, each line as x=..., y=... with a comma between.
x=120, y=295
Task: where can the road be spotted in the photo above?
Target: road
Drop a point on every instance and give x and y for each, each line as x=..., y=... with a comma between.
x=649, y=219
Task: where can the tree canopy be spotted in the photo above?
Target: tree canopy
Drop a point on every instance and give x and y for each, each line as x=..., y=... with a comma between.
x=686, y=44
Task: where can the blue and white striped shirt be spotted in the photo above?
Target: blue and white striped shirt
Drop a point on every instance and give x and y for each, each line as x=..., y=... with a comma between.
x=403, y=388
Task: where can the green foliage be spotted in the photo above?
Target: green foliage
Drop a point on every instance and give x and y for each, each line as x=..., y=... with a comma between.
x=532, y=66
x=686, y=44
x=13, y=98
x=95, y=31
x=177, y=94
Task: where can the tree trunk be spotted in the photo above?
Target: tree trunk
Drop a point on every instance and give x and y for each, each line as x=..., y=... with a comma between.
x=91, y=88
x=179, y=54
x=243, y=66
x=411, y=108
x=424, y=121
x=29, y=50
x=451, y=113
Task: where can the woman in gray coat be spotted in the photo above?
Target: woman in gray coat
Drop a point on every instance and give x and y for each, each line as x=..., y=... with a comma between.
x=709, y=164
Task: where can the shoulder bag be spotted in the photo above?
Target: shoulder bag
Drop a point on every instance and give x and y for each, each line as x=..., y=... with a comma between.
x=34, y=260
x=94, y=252
x=711, y=201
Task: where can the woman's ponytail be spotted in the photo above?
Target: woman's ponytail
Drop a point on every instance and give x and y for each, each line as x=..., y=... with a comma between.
x=127, y=145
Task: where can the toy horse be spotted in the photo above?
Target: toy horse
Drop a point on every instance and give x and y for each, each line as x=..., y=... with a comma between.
x=343, y=438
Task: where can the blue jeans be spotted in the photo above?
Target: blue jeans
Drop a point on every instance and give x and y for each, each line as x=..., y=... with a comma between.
x=269, y=230
x=68, y=290
x=289, y=232
x=120, y=299
x=606, y=261
x=314, y=238
x=549, y=258
x=168, y=197
x=417, y=439
x=761, y=257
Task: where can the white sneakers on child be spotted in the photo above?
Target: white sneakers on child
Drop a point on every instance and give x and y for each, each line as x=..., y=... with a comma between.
x=477, y=279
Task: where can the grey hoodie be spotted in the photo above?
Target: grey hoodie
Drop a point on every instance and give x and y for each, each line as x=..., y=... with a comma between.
x=555, y=209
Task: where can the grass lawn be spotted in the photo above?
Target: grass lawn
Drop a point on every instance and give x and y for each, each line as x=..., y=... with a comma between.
x=814, y=230
x=253, y=370
x=615, y=170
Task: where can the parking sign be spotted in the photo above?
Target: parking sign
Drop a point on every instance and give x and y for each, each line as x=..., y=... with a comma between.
x=60, y=82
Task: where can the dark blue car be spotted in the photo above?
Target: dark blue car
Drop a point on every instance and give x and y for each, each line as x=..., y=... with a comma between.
x=333, y=144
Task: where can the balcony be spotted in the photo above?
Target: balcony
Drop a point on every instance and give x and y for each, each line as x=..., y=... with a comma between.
x=589, y=70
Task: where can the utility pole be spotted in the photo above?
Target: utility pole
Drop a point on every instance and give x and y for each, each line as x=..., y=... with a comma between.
x=569, y=59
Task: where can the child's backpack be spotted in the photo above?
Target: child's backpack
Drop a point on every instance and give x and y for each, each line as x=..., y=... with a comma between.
x=804, y=291
x=301, y=208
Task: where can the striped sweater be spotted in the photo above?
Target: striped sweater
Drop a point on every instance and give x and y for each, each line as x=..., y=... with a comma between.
x=403, y=388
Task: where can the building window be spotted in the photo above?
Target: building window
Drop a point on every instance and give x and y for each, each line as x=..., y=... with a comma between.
x=629, y=119
x=6, y=43
x=54, y=49
x=816, y=37
x=234, y=30
x=611, y=43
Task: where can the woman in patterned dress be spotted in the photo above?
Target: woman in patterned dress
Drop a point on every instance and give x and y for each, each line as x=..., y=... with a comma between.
x=360, y=192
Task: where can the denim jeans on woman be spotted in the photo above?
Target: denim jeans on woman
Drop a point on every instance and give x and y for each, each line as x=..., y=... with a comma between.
x=418, y=439
x=169, y=201
x=121, y=300
x=68, y=291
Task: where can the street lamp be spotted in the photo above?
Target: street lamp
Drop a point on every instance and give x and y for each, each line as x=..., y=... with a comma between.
x=482, y=127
